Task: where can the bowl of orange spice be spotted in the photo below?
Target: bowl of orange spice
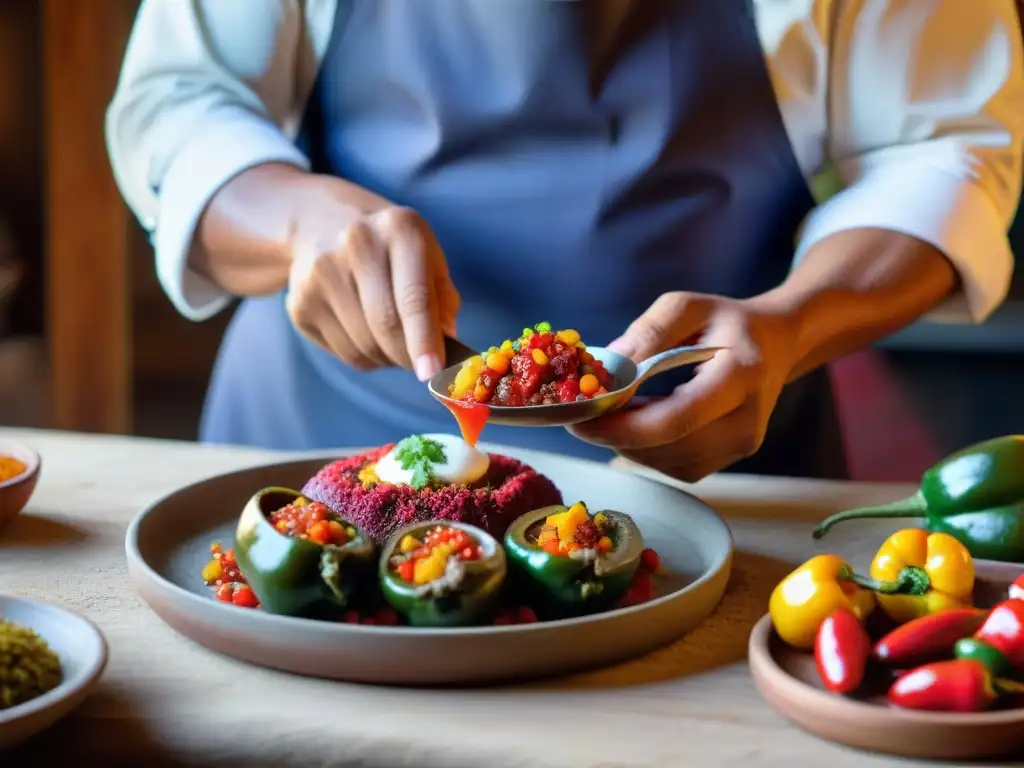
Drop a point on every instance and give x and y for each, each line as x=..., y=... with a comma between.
x=19, y=473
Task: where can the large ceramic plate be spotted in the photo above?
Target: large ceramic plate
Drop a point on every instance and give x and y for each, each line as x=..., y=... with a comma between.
x=168, y=543
x=788, y=680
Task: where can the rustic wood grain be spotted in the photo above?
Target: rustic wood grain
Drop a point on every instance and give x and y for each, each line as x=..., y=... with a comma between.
x=88, y=243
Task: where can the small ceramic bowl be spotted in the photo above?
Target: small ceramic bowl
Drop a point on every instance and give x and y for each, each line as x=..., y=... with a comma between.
x=15, y=492
x=82, y=651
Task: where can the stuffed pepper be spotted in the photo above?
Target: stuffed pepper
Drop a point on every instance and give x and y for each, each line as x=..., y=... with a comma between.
x=442, y=574
x=300, y=557
x=575, y=562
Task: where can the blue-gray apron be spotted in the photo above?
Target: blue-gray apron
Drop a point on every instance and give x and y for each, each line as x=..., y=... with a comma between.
x=566, y=181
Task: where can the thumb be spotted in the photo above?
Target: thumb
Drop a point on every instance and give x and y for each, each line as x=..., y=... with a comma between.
x=670, y=321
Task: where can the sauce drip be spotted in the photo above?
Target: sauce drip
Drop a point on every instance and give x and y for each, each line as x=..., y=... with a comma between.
x=471, y=418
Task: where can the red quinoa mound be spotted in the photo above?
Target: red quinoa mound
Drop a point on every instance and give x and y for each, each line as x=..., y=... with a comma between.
x=508, y=490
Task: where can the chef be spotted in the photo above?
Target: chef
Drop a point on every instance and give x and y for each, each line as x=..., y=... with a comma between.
x=791, y=179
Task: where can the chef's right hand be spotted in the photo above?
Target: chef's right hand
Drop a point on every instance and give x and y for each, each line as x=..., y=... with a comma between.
x=376, y=293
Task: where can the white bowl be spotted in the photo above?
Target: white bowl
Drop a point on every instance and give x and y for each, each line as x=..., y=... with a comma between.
x=83, y=656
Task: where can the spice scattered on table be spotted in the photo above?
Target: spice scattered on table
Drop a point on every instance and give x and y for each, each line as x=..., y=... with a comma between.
x=11, y=468
x=28, y=667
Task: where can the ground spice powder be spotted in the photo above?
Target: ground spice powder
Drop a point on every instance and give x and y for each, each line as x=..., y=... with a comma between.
x=28, y=668
x=10, y=468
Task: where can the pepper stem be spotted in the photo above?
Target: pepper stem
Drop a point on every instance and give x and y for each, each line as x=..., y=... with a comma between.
x=911, y=581
x=911, y=507
x=1006, y=687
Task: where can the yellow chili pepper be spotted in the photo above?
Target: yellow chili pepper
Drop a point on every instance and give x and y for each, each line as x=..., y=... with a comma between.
x=917, y=573
x=810, y=594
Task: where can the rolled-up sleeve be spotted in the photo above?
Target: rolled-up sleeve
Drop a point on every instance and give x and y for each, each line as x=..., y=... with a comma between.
x=925, y=124
x=204, y=91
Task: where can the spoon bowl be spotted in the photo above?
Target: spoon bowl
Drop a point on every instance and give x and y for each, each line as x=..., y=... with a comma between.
x=627, y=377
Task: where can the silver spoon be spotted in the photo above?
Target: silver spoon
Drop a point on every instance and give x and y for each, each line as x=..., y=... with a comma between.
x=627, y=376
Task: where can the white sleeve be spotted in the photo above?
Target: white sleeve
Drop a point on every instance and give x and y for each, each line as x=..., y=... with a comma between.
x=204, y=91
x=925, y=130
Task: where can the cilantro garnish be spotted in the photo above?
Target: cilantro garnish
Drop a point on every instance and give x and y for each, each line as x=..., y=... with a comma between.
x=420, y=454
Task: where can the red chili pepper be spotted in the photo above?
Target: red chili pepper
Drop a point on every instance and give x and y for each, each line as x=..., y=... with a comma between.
x=1017, y=588
x=961, y=685
x=841, y=650
x=928, y=637
x=999, y=643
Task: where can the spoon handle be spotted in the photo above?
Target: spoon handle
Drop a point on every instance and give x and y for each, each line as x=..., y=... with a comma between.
x=673, y=358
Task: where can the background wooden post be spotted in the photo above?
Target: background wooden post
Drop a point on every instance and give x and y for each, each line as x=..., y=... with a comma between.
x=87, y=227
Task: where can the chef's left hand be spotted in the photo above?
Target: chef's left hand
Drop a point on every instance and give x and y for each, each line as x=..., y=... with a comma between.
x=721, y=414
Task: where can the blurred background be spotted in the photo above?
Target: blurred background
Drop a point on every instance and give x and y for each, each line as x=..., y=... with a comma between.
x=88, y=341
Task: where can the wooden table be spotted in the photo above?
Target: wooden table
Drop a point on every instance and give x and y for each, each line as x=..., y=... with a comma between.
x=167, y=701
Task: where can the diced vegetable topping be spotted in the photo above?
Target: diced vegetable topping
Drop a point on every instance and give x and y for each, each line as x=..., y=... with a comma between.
x=222, y=573
x=305, y=519
x=422, y=562
x=541, y=367
x=573, y=530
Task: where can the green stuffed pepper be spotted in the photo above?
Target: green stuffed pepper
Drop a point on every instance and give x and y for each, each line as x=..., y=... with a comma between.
x=442, y=573
x=300, y=557
x=573, y=562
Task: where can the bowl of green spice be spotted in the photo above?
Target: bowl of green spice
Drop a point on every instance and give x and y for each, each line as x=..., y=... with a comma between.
x=50, y=659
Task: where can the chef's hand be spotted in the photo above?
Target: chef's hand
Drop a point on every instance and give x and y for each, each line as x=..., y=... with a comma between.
x=721, y=414
x=376, y=293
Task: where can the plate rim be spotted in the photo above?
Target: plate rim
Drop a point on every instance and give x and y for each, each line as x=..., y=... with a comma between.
x=762, y=665
x=139, y=567
x=67, y=689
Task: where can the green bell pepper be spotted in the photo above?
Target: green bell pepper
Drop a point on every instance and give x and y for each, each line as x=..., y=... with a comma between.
x=570, y=585
x=298, y=577
x=463, y=596
x=975, y=495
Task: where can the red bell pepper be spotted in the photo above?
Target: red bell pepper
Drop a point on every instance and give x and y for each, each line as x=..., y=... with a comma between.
x=928, y=638
x=958, y=685
x=841, y=651
x=999, y=643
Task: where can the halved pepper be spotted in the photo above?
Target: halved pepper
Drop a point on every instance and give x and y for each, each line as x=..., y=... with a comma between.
x=454, y=591
x=915, y=573
x=813, y=592
x=294, y=576
x=577, y=582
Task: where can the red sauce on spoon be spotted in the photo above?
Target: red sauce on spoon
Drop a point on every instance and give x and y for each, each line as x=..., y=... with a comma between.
x=471, y=418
